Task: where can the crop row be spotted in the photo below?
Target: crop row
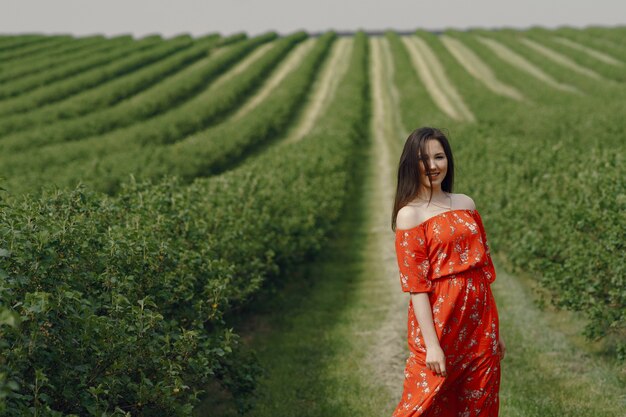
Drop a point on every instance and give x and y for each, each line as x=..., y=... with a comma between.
x=610, y=71
x=566, y=171
x=546, y=174
x=41, y=47
x=117, y=304
x=51, y=53
x=22, y=68
x=9, y=42
x=611, y=34
x=59, y=83
x=564, y=74
x=205, y=109
x=24, y=85
x=163, y=96
x=215, y=149
x=110, y=93
x=616, y=50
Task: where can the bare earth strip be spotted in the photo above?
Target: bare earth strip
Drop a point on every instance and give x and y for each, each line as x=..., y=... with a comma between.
x=600, y=56
x=244, y=64
x=240, y=67
x=286, y=66
x=394, y=97
x=433, y=75
x=197, y=66
x=423, y=71
x=561, y=59
x=517, y=60
x=332, y=72
x=388, y=354
x=478, y=69
x=444, y=83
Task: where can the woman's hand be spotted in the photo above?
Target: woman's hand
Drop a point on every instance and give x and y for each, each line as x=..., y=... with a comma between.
x=502, y=347
x=436, y=360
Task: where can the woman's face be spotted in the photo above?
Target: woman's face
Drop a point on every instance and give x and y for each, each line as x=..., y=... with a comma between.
x=437, y=164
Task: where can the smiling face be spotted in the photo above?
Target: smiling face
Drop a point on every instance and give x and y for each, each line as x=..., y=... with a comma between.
x=437, y=165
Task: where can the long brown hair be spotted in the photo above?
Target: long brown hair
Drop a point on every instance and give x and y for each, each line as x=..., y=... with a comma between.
x=408, y=168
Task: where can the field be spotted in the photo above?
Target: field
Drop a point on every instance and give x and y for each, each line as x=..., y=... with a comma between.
x=202, y=226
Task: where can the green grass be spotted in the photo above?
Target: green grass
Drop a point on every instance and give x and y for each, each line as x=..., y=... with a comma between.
x=311, y=335
x=549, y=369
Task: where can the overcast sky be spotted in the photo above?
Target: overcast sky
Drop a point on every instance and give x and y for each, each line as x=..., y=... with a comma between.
x=197, y=17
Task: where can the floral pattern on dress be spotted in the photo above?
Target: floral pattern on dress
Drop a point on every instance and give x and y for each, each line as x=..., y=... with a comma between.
x=447, y=256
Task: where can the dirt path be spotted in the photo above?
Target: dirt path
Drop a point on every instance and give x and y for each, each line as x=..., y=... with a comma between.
x=433, y=76
x=600, y=56
x=244, y=64
x=478, y=69
x=424, y=72
x=324, y=88
x=561, y=59
x=389, y=351
x=285, y=67
x=190, y=70
x=518, y=61
x=237, y=69
x=391, y=90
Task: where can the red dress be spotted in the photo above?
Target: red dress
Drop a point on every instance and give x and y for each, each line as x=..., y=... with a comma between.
x=448, y=256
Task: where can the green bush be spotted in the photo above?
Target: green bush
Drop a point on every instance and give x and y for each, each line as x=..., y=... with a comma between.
x=121, y=300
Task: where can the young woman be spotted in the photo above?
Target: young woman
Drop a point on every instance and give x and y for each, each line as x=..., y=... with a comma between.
x=455, y=347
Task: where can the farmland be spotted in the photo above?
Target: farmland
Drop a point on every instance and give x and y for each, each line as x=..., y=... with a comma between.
x=162, y=196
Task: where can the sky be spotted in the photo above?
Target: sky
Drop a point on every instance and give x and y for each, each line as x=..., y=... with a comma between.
x=197, y=17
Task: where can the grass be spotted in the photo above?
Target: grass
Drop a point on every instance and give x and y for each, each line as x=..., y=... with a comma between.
x=550, y=370
x=319, y=337
x=309, y=335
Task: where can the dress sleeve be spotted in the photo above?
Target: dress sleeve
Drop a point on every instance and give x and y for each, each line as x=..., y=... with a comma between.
x=490, y=269
x=413, y=260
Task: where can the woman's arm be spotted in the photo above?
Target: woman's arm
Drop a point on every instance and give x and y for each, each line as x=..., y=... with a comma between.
x=435, y=357
x=414, y=266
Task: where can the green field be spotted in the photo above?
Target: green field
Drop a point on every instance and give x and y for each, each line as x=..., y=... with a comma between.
x=201, y=226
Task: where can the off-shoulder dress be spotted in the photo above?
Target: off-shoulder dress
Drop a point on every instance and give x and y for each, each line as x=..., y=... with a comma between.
x=448, y=257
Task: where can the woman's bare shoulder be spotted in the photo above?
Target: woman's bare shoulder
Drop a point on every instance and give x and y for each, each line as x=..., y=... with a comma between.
x=416, y=213
x=463, y=201
x=408, y=216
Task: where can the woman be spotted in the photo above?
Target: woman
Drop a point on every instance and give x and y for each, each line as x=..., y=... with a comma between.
x=454, y=340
